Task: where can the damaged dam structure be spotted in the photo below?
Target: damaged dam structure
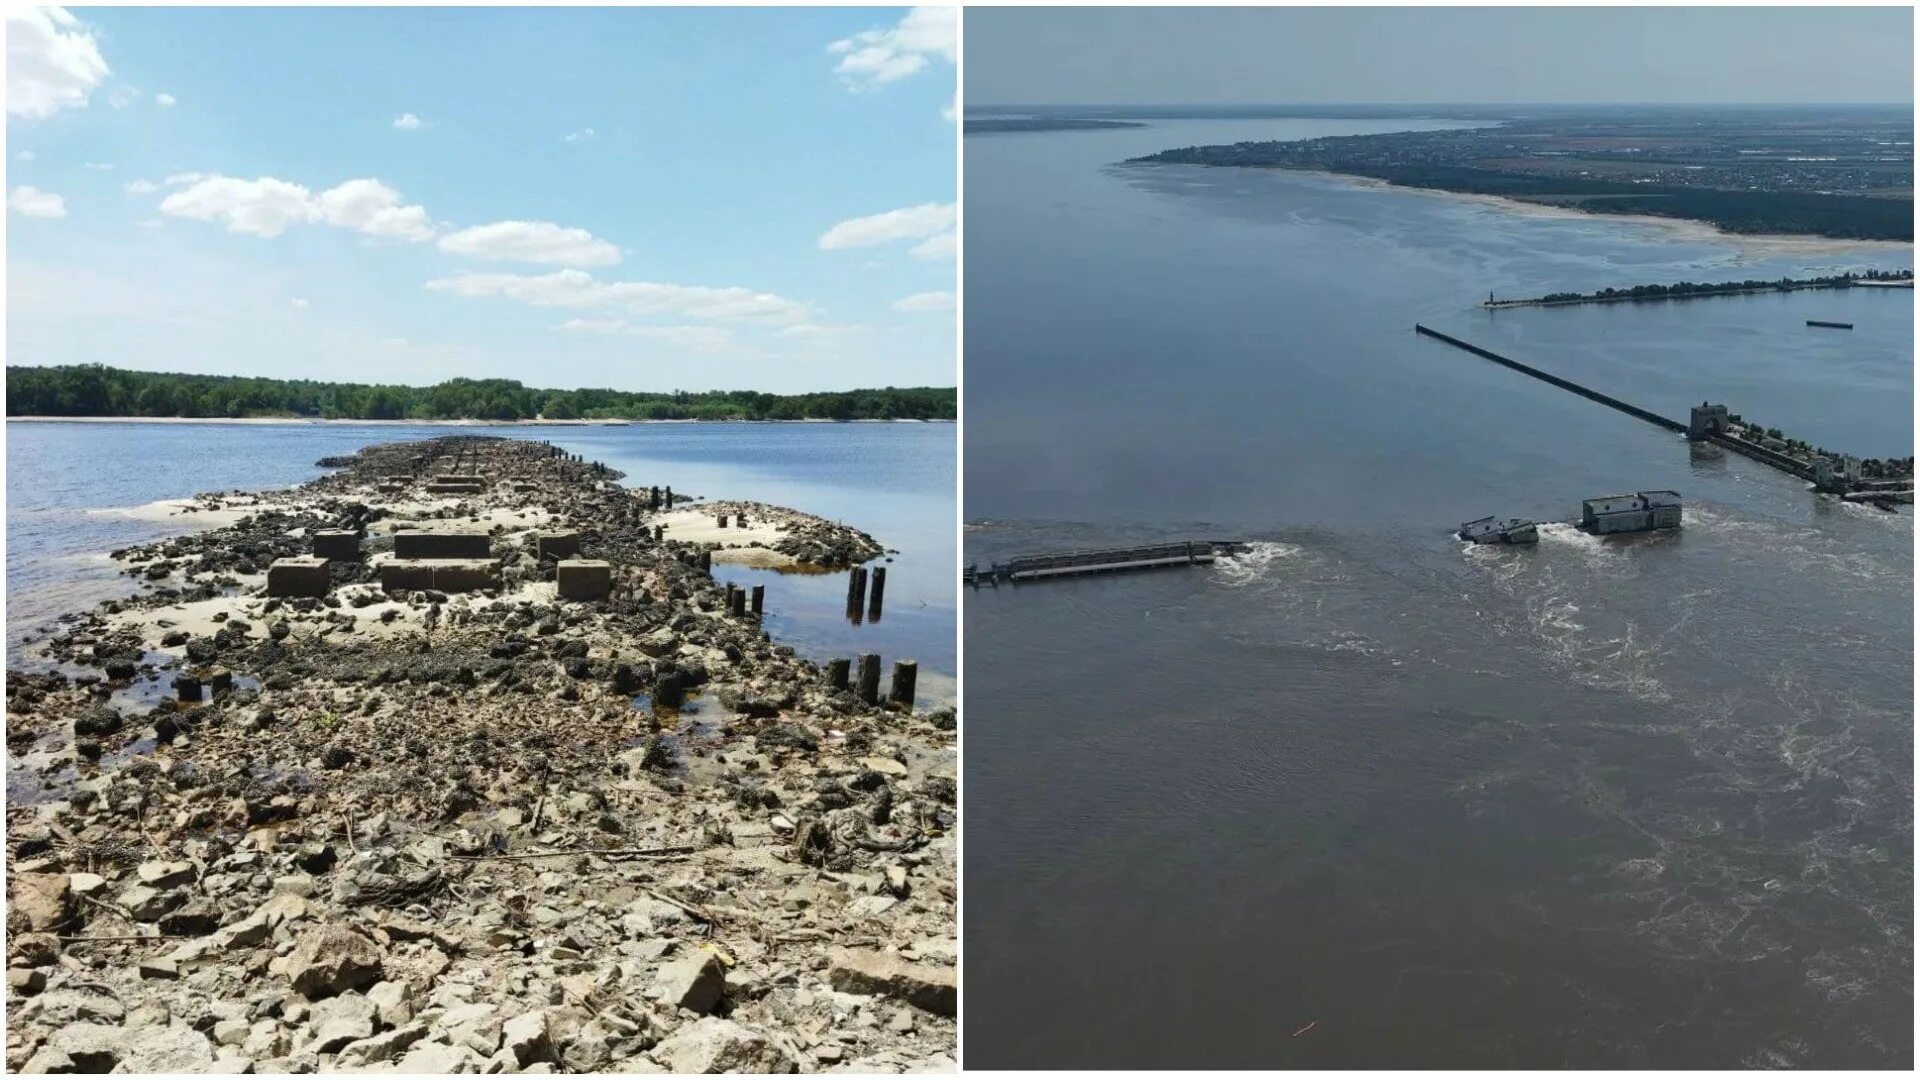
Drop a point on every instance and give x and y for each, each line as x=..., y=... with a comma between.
x=1102, y=561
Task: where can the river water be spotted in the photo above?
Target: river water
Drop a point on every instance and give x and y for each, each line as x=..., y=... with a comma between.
x=1366, y=796
x=69, y=487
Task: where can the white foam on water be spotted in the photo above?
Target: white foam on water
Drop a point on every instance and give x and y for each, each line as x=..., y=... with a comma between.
x=1260, y=562
x=1594, y=550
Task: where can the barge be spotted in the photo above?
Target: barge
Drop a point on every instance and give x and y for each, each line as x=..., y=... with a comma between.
x=1492, y=530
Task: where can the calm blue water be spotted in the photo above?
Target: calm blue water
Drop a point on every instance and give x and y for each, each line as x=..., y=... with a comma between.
x=1626, y=803
x=895, y=481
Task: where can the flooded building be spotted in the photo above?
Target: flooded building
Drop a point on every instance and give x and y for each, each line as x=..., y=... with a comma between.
x=1631, y=513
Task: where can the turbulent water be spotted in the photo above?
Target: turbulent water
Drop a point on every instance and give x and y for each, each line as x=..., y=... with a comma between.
x=70, y=488
x=1365, y=795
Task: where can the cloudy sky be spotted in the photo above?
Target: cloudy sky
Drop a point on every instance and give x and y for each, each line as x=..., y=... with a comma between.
x=1188, y=56
x=642, y=199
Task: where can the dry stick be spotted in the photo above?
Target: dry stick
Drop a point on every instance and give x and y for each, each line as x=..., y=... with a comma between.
x=681, y=849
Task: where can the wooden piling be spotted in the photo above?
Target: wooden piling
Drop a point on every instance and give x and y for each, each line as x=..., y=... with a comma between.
x=759, y=599
x=670, y=691
x=837, y=673
x=187, y=687
x=870, y=678
x=905, y=673
x=737, y=606
x=706, y=560
x=879, y=589
x=721, y=519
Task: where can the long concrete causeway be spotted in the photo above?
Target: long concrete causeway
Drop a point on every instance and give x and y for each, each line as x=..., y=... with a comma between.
x=1739, y=446
x=1103, y=561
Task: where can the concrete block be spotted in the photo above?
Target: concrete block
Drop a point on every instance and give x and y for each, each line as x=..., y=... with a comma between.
x=449, y=544
x=556, y=546
x=446, y=575
x=341, y=544
x=302, y=575
x=585, y=579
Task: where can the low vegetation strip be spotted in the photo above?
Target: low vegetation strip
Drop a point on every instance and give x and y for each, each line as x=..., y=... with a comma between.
x=97, y=390
x=1684, y=290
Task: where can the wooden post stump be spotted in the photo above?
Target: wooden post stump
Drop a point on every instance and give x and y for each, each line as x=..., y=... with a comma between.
x=837, y=673
x=905, y=674
x=870, y=678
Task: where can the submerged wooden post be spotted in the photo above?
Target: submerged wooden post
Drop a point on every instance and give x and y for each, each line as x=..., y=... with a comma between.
x=759, y=599
x=870, y=678
x=737, y=602
x=879, y=590
x=905, y=673
x=837, y=673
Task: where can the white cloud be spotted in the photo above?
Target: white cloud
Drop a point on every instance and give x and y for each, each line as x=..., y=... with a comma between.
x=33, y=202
x=706, y=338
x=408, y=122
x=909, y=223
x=395, y=341
x=263, y=207
x=952, y=109
x=818, y=332
x=167, y=100
x=266, y=207
x=943, y=246
x=122, y=96
x=579, y=290
x=100, y=166
x=140, y=187
x=531, y=242
x=873, y=57
x=153, y=223
x=577, y=136
x=372, y=208
x=24, y=155
x=926, y=301
x=53, y=62
x=300, y=302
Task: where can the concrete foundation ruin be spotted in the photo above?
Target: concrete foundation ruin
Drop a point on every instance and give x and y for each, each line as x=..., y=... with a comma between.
x=301, y=575
x=585, y=579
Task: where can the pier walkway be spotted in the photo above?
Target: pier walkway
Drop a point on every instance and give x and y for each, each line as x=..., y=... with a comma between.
x=1785, y=464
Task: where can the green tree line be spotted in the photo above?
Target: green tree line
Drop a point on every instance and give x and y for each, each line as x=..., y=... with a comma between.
x=97, y=390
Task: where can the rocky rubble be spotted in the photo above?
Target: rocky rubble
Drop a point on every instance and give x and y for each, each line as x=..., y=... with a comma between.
x=449, y=832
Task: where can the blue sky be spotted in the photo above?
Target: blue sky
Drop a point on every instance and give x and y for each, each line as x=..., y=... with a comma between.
x=644, y=199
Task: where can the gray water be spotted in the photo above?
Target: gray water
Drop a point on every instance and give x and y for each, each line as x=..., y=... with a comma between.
x=68, y=485
x=1366, y=796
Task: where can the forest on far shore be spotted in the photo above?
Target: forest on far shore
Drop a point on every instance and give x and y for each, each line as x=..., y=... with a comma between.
x=98, y=390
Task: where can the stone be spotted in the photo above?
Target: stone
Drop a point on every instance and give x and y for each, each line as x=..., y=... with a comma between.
x=527, y=1037
x=147, y=904
x=26, y=981
x=695, y=981
x=383, y=1047
x=584, y=579
x=334, y=959
x=300, y=575
x=40, y=902
x=165, y=875
x=393, y=1002
x=438, y=1058
x=340, y=1020
x=866, y=971
x=713, y=1045
x=98, y=1048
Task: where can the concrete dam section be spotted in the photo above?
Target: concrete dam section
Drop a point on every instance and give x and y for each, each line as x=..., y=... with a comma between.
x=1102, y=561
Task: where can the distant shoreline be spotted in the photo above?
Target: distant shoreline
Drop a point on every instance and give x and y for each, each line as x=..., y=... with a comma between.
x=415, y=423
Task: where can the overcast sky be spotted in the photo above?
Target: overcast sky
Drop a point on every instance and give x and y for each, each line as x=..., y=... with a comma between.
x=1187, y=56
